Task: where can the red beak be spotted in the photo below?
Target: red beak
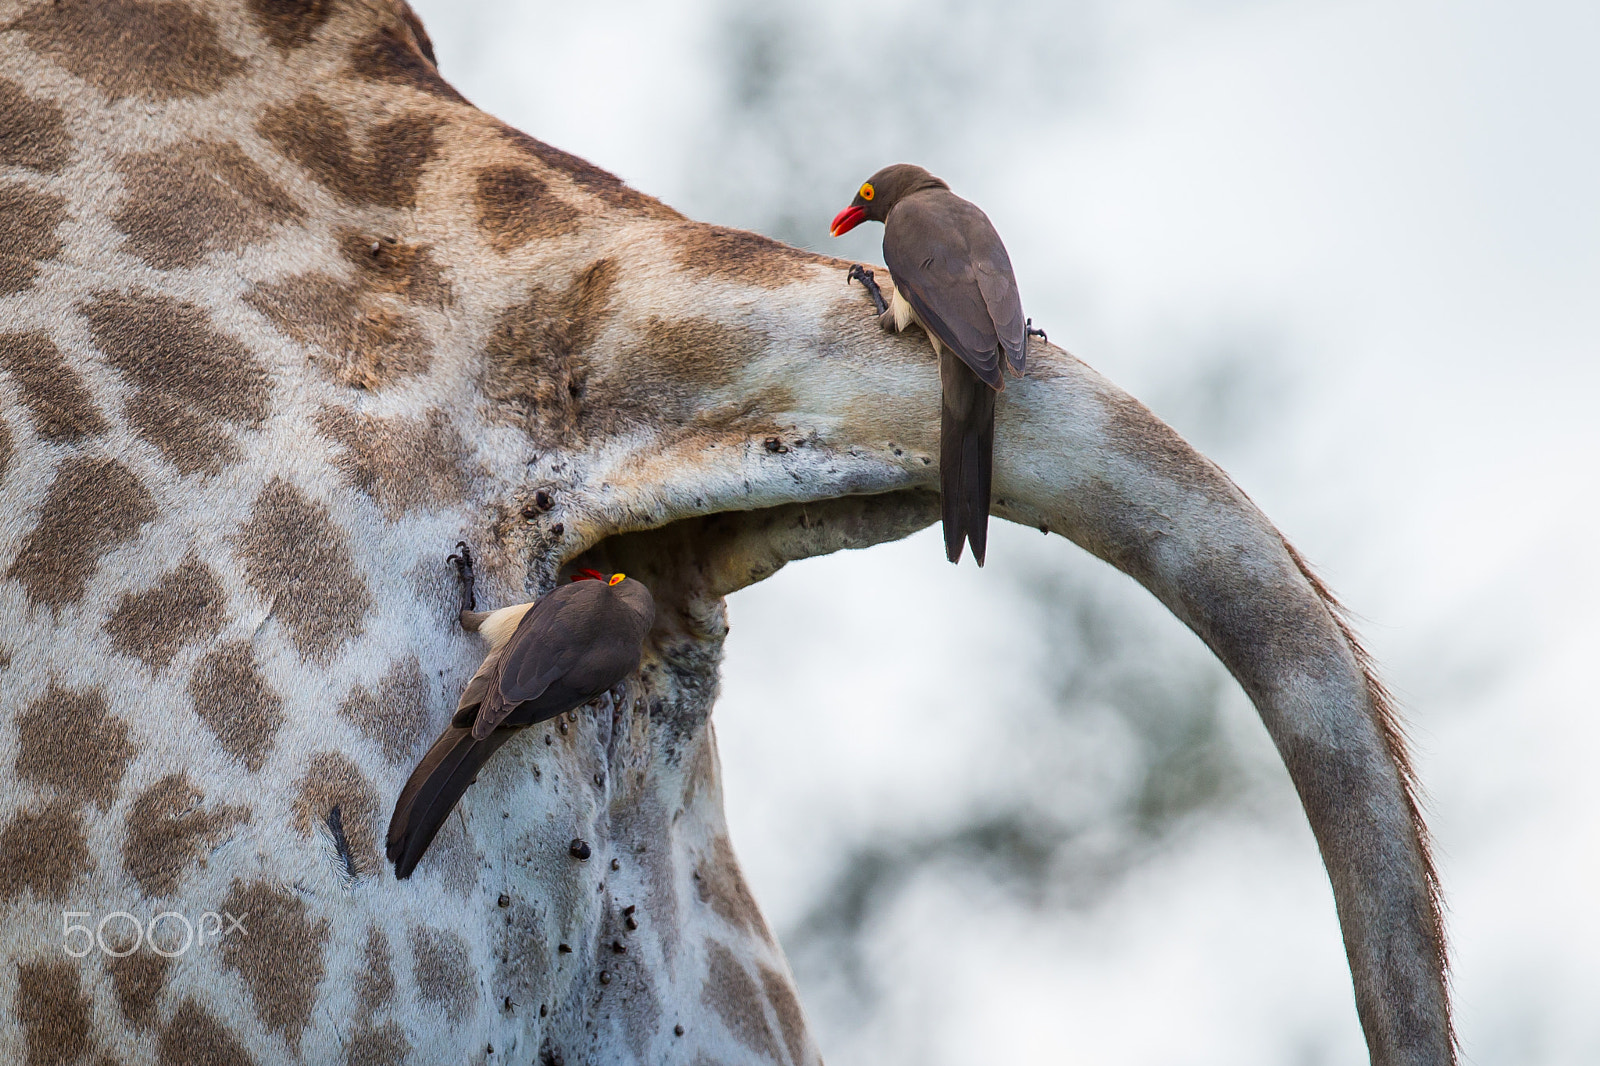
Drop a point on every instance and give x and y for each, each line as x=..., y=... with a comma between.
x=848, y=219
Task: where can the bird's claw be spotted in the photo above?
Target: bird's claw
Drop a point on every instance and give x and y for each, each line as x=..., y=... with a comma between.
x=463, y=560
x=862, y=274
x=1031, y=331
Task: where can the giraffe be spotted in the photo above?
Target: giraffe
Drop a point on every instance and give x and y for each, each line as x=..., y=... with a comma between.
x=282, y=318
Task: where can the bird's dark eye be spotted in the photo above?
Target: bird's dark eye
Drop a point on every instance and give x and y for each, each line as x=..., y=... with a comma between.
x=867, y=191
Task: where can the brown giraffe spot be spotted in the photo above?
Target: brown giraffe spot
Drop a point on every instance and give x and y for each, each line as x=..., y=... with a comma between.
x=532, y=362
x=334, y=780
x=169, y=833
x=515, y=205
x=720, y=884
x=384, y=171
x=738, y=1002
x=51, y=390
x=32, y=133
x=68, y=741
x=400, y=462
x=289, y=24
x=1137, y=431
x=189, y=442
x=93, y=505
x=666, y=377
x=525, y=964
x=53, y=1011
x=398, y=268
x=418, y=32
x=296, y=558
x=590, y=178
x=787, y=1007
x=685, y=359
x=188, y=200
x=28, y=222
x=233, y=699
x=385, y=1045
x=280, y=958
x=442, y=966
x=454, y=860
x=190, y=376
x=161, y=50
x=138, y=980
x=699, y=774
x=45, y=850
x=391, y=55
x=632, y=998
x=375, y=982
x=351, y=337
x=742, y=256
x=195, y=1038
x=648, y=831
x=155, y=624
x=395, y=716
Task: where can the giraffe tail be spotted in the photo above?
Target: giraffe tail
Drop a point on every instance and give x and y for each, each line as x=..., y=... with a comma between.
x=433, y=790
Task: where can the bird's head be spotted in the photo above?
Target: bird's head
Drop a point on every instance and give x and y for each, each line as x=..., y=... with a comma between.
x=881, y=192
x=587, y=574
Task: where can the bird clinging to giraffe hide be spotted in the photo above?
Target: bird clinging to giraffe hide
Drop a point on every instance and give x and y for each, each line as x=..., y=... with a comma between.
x=953, y=278
x=544, y=659
x=279, y=313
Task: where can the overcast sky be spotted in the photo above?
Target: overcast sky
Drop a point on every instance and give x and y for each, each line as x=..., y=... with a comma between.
x=1349, y=249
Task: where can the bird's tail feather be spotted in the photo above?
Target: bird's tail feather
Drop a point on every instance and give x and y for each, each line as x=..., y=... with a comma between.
x=966, y=457
x=433, y=790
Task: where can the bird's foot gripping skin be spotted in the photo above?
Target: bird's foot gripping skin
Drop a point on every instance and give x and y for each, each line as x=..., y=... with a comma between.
x=1028, y=330
x=471, y=618
x=463, y=560
x=862, y=274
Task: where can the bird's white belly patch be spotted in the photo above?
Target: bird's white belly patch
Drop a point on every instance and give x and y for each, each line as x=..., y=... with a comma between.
x=905, y=316
x=499, y=626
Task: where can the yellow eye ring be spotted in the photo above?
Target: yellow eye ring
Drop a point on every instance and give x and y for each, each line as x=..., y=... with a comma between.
x=867, y=191
x=616, y=579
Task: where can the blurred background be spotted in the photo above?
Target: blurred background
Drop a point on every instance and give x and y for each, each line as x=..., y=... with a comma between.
x=1351, y=250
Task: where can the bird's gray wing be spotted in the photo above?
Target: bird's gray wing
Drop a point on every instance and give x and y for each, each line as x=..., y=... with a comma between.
x=999, y=287
x=536, y=653
x=927, y=245
x=606, y=661
x=571, y=646
x=611, y=632
x=477, y=688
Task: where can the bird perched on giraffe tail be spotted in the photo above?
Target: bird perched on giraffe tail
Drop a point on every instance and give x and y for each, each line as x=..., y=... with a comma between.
x=953, y=278
x=545, y=658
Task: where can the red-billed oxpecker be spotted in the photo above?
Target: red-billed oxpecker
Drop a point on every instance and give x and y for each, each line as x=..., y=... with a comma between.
x=545, y=658
x=953, y=278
